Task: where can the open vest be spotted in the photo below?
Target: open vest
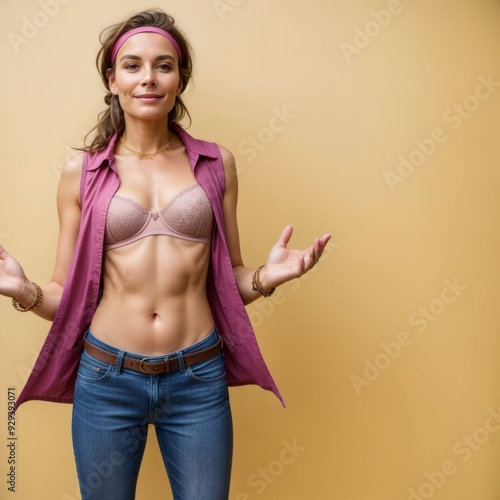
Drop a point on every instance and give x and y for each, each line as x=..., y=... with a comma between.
x=54, y=374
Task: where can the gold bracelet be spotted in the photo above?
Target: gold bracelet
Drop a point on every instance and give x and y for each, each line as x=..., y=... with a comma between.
x=257, y=285
x=36, y=302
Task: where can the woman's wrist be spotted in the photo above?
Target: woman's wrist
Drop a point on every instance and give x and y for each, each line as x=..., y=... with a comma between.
x=29, y=299
x=260, y=283
x=26, y=293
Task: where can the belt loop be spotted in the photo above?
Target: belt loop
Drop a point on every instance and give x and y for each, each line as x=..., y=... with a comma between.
x=119, y=362
x=182, y=366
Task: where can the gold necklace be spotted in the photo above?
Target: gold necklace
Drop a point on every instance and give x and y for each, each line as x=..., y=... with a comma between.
x=149, y=156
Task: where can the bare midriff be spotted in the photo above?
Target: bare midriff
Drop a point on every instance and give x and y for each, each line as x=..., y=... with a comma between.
x=154, y=296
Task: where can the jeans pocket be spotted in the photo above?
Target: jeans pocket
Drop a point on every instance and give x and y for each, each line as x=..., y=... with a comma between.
x=211, y=370
x=93, y=370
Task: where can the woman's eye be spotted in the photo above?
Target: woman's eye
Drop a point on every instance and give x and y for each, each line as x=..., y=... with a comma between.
x=131, y=66
x=165, y=67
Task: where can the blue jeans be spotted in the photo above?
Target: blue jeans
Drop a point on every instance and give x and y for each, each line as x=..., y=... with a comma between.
x=189, y=408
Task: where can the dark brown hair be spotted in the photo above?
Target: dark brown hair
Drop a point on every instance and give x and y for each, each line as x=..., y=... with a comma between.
x=111, y=120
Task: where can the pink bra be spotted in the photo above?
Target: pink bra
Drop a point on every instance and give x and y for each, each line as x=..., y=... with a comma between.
x=187, y=216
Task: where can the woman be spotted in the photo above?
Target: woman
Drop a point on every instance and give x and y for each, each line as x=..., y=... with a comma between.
x=148, y=292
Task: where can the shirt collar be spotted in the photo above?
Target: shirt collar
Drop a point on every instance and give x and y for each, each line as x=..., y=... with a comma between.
x=194, y=148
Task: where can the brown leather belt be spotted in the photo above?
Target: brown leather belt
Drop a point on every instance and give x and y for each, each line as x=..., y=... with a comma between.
x=145, y=366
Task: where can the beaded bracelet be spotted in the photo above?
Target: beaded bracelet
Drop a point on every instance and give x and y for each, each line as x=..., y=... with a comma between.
x=257, y=285
x=34, y=305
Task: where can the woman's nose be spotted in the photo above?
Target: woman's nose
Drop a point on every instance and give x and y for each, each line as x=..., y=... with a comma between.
x=148, y=79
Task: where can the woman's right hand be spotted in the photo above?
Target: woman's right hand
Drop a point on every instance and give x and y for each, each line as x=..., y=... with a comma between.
x=13, y=281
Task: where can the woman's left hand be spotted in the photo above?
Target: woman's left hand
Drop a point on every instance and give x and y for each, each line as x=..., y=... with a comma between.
x=284, y=264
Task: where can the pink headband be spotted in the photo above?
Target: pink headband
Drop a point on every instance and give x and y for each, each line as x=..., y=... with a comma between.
x=145, y=29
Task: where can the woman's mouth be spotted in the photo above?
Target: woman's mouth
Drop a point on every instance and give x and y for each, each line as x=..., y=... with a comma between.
x=148, y=97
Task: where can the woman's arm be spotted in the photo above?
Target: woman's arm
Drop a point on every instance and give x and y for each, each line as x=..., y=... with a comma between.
x=283, y=264
x=13, y=281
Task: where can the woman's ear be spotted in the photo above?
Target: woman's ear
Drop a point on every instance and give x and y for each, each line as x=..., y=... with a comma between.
x=112, y=81
x=179, y=88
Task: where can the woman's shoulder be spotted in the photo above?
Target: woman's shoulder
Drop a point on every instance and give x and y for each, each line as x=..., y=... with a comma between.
x=69, y=180
x=228, y=159
x=73, y=166
x=71, y=174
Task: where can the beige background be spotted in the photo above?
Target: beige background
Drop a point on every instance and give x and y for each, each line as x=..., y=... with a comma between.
x=367, y=418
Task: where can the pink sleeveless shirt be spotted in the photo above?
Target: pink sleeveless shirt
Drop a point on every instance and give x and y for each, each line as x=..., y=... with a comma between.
x=54, y=374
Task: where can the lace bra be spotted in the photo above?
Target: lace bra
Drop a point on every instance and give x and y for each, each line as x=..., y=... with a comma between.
x=187, y=216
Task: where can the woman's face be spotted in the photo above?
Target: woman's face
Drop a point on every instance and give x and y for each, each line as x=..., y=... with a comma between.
x=146, y=77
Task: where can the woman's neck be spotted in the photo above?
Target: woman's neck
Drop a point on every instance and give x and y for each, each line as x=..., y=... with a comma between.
x=146, y=137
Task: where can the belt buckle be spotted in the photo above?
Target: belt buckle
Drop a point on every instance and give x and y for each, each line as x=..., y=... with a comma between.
x=144, y=370
x=141, y=366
